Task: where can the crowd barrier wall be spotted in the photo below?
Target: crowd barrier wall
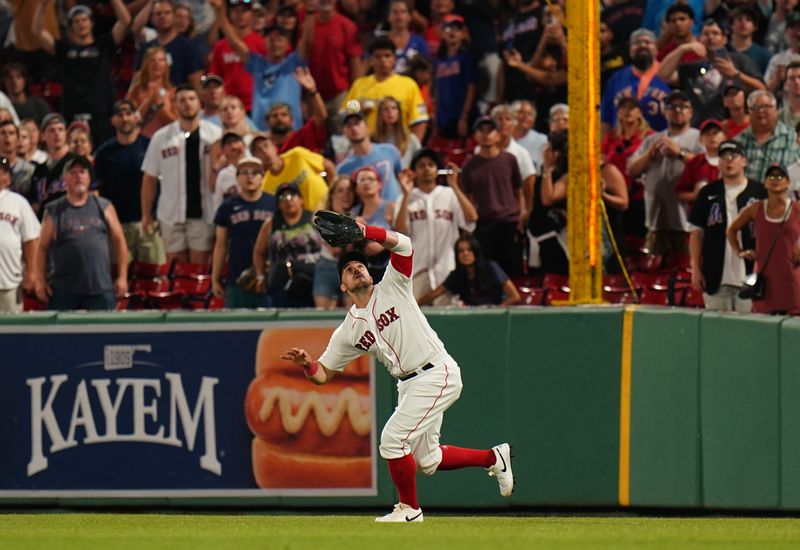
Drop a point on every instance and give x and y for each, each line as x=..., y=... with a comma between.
x=604, y=406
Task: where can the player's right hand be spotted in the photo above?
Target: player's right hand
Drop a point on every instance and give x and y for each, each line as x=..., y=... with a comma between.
x=298, y=356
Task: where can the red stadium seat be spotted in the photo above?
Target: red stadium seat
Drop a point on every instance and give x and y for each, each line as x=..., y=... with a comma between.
x=197, y=286
x=614, y=280
x=148, y=271
x=561, y=282
x=691, y=297
x=167, y=300
x=150, y=285
x=654, y=296
x=215, y=303
x=31, y=303
x=531, y=296
x=556, y=295
x=189, y=270
x=656, y=280
x=620, y=295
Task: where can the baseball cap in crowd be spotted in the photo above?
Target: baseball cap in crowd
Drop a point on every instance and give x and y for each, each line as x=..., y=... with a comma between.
x=452, y=20
x=792, y=18
x=76, y=160
x=210, y=78
x=677, y=95
x=731, y=145
x=346, y=258
x=80, y=9
x=480, y=121
x=51, y=118
x=425, y=152
x=250, y=161
x=78, y=124
x=628, y=101
x=258, y=6
x=287, y=188
x=776, y=167
x=123, y=105
x=729, y=85
x=710, y=123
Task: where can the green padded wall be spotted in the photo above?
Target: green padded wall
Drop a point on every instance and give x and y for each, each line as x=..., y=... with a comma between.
x=739, y=411
x=665, y=417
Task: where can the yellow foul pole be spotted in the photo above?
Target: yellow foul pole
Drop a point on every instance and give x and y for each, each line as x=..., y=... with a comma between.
x=584, y=228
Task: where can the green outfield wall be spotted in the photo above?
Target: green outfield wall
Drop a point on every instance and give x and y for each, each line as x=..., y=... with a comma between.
x=604, y=406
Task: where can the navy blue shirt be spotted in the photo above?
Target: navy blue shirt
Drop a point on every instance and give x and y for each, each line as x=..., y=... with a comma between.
x=453, y=74
x=182, y=57
x=118, y=169
x=243, y=220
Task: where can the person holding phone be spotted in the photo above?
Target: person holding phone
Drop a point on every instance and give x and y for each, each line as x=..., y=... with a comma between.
x=705, y=80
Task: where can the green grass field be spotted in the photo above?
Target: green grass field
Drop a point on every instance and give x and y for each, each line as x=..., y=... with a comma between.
x=65, y=531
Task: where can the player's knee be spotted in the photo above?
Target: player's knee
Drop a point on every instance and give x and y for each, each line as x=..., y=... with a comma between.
x=428, y=463
x=391, y=446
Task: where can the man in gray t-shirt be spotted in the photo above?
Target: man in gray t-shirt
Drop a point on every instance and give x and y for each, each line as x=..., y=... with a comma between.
x=662, y=158
x=75, y=233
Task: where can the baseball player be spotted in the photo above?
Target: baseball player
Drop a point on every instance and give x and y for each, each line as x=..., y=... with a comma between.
x=386, y=322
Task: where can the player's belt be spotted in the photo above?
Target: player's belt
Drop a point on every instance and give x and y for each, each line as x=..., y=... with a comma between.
x=410, y=375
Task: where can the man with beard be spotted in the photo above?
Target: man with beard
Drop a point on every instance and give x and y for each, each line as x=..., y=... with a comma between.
x=314, y=133
x=75, y=237
x=178, y=160
x=637, y=80
x=118, y=169
x=704, y=81
x=662, y=157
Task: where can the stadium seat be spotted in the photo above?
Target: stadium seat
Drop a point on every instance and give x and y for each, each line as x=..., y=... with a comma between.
x=654, y=296
x=554, y=281
x=614, y=280
x=656, y=280
x=215, y=303
x=167, y=300
x=556, y=295
x=158, y=284
x=691, y=297
x=188, y=270
x=620, y=295
x=201, y=285
x=31, y=303
x=147, y=271
x=531, y=296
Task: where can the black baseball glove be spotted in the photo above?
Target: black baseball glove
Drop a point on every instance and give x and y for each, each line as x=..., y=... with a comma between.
x=337, y=230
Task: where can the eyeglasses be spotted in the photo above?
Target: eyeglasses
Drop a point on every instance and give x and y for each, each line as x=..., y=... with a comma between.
x=678, y=106
x=762, y=107
x=366, y=179
x=287, y=197
x=730, y=155
x=250, y=172
x=775, y=177
x=234, y=3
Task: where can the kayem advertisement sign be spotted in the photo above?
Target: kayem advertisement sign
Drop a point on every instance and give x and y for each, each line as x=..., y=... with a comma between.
x=180, y=410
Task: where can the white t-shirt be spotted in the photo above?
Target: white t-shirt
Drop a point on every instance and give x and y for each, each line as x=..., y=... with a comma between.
x=225, y=186
x=535, y=144
x=165, y=159
x=733, y=268
x=434, y=222
x=18, y=224
x=391, y=327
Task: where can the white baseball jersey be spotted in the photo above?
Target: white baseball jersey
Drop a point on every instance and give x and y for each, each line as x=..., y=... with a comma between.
x=391, y=327
x=165, y=159
x=434, y=221
x=18, y=224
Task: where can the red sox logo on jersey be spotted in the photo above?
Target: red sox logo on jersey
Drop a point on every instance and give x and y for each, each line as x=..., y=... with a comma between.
x=367, y=339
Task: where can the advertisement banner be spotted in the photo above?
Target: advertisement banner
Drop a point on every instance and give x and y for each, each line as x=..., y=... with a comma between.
x=180, y=410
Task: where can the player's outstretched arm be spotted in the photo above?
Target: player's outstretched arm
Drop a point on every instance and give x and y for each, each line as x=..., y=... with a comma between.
x=391, y=240
x=314, y=370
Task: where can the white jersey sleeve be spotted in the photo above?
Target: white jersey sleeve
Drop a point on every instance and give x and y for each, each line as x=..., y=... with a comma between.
x=150, y=164
x=340, y=351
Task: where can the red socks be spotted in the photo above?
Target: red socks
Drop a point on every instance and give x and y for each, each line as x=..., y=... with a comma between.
x=404, y=475
x=454, y=458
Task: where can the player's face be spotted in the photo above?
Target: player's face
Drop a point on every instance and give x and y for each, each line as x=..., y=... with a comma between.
x=355, y=277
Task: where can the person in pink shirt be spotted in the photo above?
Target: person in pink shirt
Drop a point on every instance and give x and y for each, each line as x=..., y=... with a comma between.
x=226, y=63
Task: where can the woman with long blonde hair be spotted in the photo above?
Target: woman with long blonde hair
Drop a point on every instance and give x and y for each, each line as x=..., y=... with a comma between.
x=152, y=93
x=390, y=129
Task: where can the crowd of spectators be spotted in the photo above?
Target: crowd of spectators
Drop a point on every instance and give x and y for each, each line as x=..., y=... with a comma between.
x=208, y=131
